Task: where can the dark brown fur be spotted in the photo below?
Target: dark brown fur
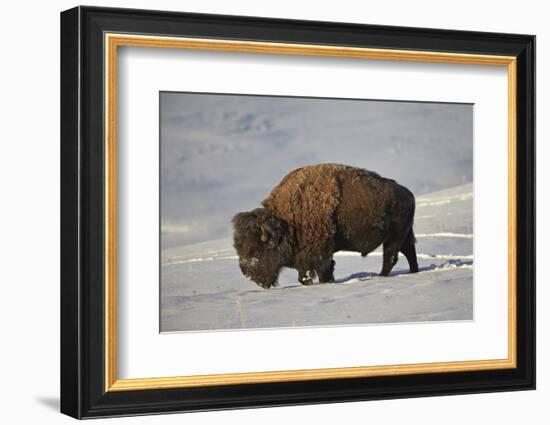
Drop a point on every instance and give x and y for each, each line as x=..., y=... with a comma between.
x=318, y=210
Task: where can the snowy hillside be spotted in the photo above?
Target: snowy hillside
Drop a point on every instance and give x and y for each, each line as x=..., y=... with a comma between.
x=203, y=287
x=223, y=154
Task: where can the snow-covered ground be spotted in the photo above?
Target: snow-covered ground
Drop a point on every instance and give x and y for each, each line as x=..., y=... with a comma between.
x=202, y=286
x=222, y=155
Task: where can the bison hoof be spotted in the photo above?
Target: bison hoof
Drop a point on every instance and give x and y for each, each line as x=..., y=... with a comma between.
x=306, y=278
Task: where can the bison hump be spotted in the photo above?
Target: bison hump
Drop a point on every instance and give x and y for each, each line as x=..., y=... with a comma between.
x=307, y=198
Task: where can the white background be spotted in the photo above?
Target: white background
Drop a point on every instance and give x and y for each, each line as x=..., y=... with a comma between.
x=146, y=71
x=29, y=364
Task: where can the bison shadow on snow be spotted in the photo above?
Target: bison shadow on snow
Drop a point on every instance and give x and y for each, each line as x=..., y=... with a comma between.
x=362, y=276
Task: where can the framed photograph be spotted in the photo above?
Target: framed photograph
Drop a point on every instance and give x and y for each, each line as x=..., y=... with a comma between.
x=261, y=212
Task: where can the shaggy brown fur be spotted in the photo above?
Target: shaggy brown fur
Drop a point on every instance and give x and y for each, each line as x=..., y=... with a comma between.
x=321, y=209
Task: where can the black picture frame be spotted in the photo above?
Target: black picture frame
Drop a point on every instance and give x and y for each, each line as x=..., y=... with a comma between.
x=83, y=392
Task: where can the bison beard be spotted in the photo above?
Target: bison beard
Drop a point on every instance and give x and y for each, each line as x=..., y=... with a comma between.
x=318, y=210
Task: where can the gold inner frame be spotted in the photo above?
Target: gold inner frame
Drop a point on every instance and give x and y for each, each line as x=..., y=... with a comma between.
x=113, y=41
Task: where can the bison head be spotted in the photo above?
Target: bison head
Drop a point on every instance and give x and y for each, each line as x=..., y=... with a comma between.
x=262, y=243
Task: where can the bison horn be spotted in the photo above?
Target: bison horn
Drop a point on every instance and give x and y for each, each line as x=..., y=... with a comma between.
x=267, y=231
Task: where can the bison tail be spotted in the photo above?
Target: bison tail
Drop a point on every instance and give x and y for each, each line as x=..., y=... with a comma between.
x=410, y=239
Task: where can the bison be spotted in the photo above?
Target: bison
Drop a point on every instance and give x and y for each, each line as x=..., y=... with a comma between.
x=318, y=210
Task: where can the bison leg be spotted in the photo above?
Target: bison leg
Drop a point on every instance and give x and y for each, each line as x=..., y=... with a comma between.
x=409, y=250
x=327, y=275
x=390, y=258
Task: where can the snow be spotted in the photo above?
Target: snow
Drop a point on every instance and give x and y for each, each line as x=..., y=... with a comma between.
x=222, y=154
x=203, y=288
